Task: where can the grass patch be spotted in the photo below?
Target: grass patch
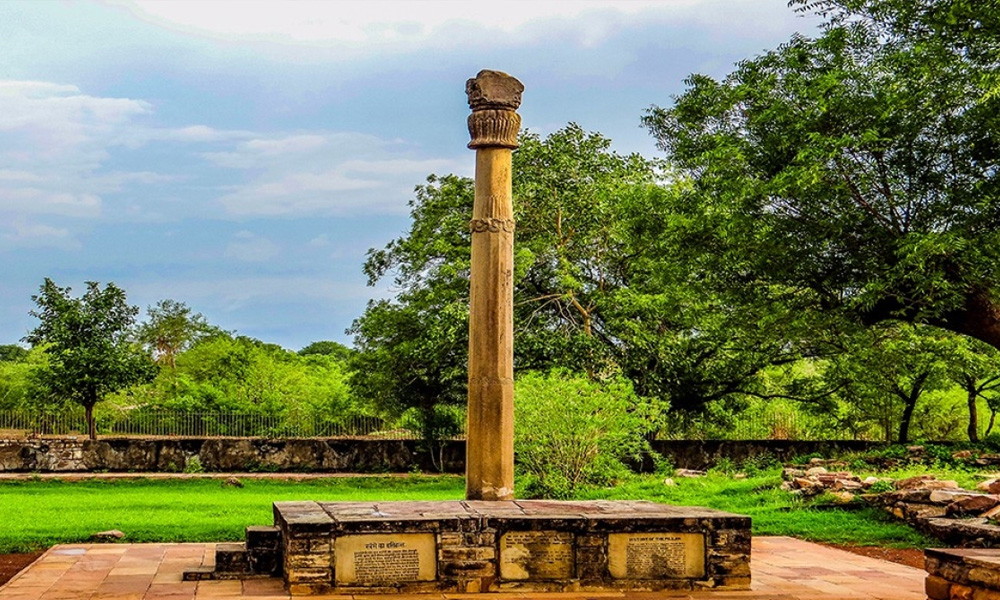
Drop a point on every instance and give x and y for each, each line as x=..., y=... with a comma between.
x=774, y=512
x=38, y=514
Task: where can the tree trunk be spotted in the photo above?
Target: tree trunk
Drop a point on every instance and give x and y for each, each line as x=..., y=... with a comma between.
x=91, y=425
x=904, y=423
x=971, y=396
x=979, y=318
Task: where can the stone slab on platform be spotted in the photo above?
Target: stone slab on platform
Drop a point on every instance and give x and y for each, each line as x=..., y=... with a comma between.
x=962, y=573
x=510, y=546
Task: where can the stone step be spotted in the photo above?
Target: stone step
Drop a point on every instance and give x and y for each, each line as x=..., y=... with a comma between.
x=231, y=558
x=263, y=537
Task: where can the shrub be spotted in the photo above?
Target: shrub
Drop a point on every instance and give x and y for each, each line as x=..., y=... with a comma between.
x=571, y=430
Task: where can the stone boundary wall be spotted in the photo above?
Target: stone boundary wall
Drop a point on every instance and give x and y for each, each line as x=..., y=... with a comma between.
x=339, y=455
x=224, y=454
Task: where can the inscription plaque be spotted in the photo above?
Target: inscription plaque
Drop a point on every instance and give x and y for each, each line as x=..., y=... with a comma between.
x=656, y=555
x=385, y=558
x=536, y=555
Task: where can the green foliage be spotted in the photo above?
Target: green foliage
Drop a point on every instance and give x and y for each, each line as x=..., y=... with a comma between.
x=88, y=342
x=336, y=350
x=857, y=171
x=172, y=328
x=193, y=465
x=12, y=353
x=881, y=486
x=571, y=431
x=222, y=373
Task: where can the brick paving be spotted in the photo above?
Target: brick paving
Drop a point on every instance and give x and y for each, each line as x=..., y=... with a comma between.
x=783, y=569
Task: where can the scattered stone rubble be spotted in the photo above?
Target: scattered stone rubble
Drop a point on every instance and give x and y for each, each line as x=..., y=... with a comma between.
x=939, y=508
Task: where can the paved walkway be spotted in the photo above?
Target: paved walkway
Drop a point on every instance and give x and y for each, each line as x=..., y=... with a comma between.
x=783, y=569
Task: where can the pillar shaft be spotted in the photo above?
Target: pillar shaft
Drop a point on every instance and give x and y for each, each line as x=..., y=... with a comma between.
x=490, y=442
x=493, y=125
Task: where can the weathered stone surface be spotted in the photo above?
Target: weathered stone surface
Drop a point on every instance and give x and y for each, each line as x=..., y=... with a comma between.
x=972, y=505
x=990, y=486
x=111, y=534
x=529, y=546
x=912, y=483
x=494, y=90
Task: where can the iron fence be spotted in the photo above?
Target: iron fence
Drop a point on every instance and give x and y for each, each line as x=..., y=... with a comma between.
x=160, y=423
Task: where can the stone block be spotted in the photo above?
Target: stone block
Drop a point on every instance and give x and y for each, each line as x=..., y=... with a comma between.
x=937, y=588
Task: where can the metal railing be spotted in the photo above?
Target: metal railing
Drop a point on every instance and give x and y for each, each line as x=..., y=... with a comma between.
x=161, y=423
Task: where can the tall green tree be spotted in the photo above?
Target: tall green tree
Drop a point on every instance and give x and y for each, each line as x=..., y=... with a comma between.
x=172, y=327
x=89, y=344
x=857, y=171
x=596, y=287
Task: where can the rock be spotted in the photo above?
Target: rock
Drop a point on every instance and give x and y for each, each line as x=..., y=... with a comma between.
x=232, y=482
x=786, y=486
x=817, y=461
x=972, y=505
x=992, y=513
x=669, y=482
x=990, y=486
x=847, y=484
x=947, y=484
x=949, y=496
x=962, y=454
x=912, y=483
x=740, y=476
x=803, y=483
x=914, y=449
x=111, y=534
x=816, y=471
x=842, y=497
x=869, y=481
x=789, y=473
x=689, y=473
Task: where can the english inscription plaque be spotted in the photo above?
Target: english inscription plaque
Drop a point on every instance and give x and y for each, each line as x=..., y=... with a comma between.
x=536, y=555
x=656, y=555
x=385, y=558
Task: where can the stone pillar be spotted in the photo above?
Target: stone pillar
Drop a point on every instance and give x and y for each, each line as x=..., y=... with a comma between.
x=493, y=125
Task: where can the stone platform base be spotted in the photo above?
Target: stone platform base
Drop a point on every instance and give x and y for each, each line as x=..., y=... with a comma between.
x=962, y=573
x=536, y=546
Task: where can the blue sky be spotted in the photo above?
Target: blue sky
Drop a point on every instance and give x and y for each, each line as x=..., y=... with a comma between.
x=242, y=157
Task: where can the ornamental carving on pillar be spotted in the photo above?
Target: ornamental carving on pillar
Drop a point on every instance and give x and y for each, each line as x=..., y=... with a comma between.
x=491, y=225
x=494, y=98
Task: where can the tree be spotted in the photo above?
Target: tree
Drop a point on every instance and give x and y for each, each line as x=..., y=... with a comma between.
x=12, y=353
x=88, y=341
x=172, y=328
x=857, y=171
x=975, y=367
x=885, y=370
x=596, y=288
x=335, y=350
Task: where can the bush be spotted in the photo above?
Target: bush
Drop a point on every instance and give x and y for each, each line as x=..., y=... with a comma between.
x=572, y=431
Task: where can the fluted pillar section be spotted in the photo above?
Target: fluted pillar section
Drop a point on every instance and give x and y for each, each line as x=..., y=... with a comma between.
x=493, y=125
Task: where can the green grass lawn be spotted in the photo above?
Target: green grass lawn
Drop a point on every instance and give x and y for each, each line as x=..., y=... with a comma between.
x=36, y=514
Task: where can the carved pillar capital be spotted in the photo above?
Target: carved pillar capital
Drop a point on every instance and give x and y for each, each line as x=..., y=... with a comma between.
x=494, y=98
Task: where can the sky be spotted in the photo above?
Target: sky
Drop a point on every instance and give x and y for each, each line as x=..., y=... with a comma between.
x=242, y=157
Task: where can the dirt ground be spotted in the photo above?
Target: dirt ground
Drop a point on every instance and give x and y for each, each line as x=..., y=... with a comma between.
x=11, y=564
x=910, y=557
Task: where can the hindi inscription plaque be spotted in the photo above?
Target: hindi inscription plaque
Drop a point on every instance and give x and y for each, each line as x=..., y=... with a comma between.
x=656, y=555
x=536, y=555
x=385, y=558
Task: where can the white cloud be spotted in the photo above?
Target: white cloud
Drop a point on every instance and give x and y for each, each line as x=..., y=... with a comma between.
x=318, y=174
x=250, y=247
x=35, y=235
x=359, y=28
